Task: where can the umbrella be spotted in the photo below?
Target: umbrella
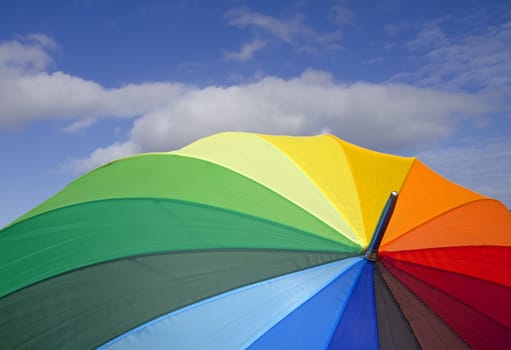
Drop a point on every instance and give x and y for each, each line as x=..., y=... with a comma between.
x=243, y=240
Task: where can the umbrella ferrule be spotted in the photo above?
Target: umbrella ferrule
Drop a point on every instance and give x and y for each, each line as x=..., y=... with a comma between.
x=372, y=251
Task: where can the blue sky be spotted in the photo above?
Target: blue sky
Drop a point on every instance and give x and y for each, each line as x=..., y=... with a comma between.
x=86, y=81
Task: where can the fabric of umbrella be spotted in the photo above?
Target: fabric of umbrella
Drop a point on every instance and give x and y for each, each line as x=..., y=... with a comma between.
x=243, y=240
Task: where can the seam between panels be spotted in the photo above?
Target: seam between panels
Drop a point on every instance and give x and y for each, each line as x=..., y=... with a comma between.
x=293, y=203
x=407, y=174
x=274, y=190
x=434, y=311
x=78, y=179
x=189, y=203
x=357, y=187
x=436, y=217
x=323, y=195
x=280, y=195
x=401, y=259
x=298, y=231
x=206, y=301
x=345, y=304
x=398, y=305
x=249, y=343
x=443, y=291
x=135, y=257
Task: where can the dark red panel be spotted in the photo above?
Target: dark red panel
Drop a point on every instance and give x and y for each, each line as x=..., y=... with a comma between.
x=477, y=329
x=431, y=332
x=479, y=294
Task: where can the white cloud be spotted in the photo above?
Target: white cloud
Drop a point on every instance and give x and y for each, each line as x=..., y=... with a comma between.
x=168, y=114
x=101, y=156
x=247, y=51
x=373, y=115
x=292, y=31
x=28, y=97
x=29, y=92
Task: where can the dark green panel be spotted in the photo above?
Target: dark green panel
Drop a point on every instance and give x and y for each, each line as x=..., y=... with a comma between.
x=85, y=234
x=87, y=307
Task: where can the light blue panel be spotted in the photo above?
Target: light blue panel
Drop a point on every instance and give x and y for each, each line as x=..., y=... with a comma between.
x=311, y=324
x=235, y=319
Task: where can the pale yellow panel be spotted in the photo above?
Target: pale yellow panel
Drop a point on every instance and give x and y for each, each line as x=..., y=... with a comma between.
x=323, y=160
x=376, y=176
x=258, y=159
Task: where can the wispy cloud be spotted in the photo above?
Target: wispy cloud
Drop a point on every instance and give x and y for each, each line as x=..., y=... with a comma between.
x=292, y=31
x=429, y=37
x=374, y=60
x=247, y=51
x=78, y=125
x=341, y=14
x=27, y=53
x=475, y=61
x=392, y=30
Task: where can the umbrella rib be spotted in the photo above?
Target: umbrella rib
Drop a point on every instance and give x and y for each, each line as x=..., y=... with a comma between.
x=372, y=251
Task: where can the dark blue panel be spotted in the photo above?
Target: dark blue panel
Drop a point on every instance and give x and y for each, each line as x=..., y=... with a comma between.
x=311, y=324
x=357, y=328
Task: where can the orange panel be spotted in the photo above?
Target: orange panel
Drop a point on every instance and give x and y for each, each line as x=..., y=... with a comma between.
x=485, y=222
x=424, y=195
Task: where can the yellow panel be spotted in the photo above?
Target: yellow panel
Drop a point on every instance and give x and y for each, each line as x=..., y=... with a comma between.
x=376, y=176
x=323, y=160
x=253, y=156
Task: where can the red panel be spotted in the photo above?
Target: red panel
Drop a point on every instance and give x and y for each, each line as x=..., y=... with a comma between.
x=485, y=262
x=477, y=329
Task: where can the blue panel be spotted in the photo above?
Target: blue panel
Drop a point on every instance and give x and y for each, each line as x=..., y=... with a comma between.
x=235, y=319
x=310, y=325
x=358, y=328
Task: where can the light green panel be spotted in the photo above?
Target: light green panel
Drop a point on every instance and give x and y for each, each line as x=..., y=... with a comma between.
x=184, y=178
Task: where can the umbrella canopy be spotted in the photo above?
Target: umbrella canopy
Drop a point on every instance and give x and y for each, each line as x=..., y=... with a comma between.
x=243, y=240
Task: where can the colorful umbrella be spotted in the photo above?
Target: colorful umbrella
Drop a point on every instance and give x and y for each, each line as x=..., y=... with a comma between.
x=252, y=241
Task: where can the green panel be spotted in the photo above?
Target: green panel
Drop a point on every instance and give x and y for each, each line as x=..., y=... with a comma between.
x=87, y=307
x=189, y=179
x=76, y=236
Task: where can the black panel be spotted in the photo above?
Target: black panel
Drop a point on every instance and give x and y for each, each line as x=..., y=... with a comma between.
x=394, y=331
